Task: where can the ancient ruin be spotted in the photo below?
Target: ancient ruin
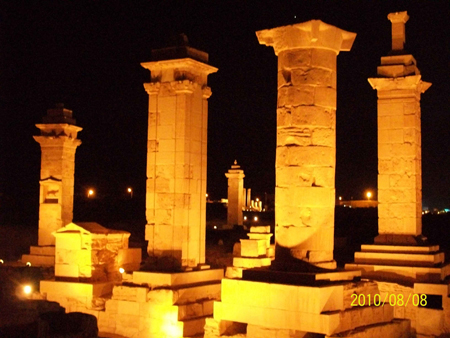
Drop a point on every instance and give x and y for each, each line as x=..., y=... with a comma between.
x=176, y=155
x=58, y=141
x=236, y=195
x=401, y=260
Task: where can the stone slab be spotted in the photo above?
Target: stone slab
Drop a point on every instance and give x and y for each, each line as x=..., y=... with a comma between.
x=42, y=250
x=398, y=328
x=299, y=278
x=432, y=289
x=405, y=259
x=155, y=279
x=250, y=262
x=74, y=289
x=328, y=323
x=38, y=260
x=402, y=273
x=399, y=248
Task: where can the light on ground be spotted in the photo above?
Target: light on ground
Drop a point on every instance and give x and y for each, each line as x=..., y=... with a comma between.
x=27, y=289
x=121, y=270
x=369, y=195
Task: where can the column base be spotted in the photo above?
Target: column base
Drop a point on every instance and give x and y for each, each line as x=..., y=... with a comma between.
x=40, y=256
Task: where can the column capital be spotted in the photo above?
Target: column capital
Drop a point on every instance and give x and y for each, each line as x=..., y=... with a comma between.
x=398, y=21
x=185, y=86
x=311, y=34
x=400, y=83
x=152, y=88
x=206, y=92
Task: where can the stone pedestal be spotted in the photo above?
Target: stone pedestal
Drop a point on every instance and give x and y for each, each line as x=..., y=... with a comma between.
x=306, y=137
x=176, y=155
x=58, y=141
x=236, y=195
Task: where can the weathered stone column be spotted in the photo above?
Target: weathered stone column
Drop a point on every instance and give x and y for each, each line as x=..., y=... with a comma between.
x=306, y=137
x=236, y=194
x=176, y=155
x=399, y=87
x=58, y=142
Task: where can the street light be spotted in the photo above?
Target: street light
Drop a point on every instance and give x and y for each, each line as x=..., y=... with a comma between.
x=90, y=193
x=130, y=191
x=369, y=195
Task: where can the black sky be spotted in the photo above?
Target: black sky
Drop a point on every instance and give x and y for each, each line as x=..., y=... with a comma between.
x=87, y=54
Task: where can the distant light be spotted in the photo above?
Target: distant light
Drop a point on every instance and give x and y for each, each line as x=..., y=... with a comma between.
x=129, y=190
x=90, y=192
x=255, y=218
x=28, y=264
x=1, y=261
x=206, y=195
x=340, y=198
x=27, y=289
x=257, y=199
x=245, y=218
x=215, y=226
x=121, y=270
x=369, y=195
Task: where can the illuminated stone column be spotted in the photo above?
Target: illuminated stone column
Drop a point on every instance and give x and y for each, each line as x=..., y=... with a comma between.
x=58, y=141
x=236, y=194
x=399, y=87
x=176, y=155
x=306, y=137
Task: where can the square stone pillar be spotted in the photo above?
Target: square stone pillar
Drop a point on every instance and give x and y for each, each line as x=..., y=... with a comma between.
x=306, y=137
x=58, y=141
x=176, y=155
x=236, y=195
x=399, y=87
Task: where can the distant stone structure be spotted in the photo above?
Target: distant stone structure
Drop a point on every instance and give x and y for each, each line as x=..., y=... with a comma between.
x=176, y=155
x=58, y=141
x=306, y=138
x=236, y=195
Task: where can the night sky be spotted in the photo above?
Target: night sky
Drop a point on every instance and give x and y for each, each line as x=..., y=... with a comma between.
x=87, y=55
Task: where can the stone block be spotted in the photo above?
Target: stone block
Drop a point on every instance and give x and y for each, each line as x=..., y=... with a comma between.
x=130, y=293
x=295, y=96
x=289, y=59
x=185, y=295
x=129, y=259
x=260, y=229
x=311, y=76
x=323, y=58
x=246, y=262
x=154, y=279
x=305, y=156
x=398, y=328
x=38, y=260
x=253, y=247
x=430, y=322
x=42, y=250
x=308, y=238
x=325, y=97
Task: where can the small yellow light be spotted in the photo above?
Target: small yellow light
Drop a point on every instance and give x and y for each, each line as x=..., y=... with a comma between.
x=27, y=289
x=369, y=195
x=255, y=218
x=245, y=218
x=206, y=195
x=129, y=190
x=1, y=261
x=215, y=226
x=257, y=199
x=340, y=198
x=90, y=192
x=28, y=264
x=121, y=270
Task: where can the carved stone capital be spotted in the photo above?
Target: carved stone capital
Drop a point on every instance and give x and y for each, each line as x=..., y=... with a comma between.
x=206, y=92
x=152, y=88
x=185, y=86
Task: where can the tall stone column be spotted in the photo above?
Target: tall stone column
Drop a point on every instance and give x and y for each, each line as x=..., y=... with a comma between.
x=58, y=141
x=306, y=138
x=236, y=195
x=399, y=87
x=176, y=155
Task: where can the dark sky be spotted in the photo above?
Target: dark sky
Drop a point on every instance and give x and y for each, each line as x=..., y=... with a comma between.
x=87, y=54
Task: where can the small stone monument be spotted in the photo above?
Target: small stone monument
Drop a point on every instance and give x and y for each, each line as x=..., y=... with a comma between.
x=236, y=195
x=58, y=141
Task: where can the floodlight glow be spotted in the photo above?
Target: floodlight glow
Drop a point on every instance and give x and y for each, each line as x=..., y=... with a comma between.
x=215, y=226
x=90, y=192
x=121, y=270
x=245, y=218
x=27, y=289
x=1, y=261
x=255, y=218
x=369, y=195
x=129, y=190
x=28, y=264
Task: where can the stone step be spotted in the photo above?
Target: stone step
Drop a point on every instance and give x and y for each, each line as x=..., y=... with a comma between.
x=185, y=294
x=42, y=250
x=251, y=262
x=402, y=273
x=38, y=260
x=403, y=259
x=328, y=323
x=155, y=279
x=398, y=328
x=399, y=248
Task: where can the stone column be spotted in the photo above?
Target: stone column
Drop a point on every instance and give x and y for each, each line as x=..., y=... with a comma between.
x=236, y=195
x=176, y=155
x=306, y=138
x=58, y=141
x=399, y=87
